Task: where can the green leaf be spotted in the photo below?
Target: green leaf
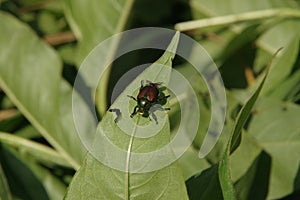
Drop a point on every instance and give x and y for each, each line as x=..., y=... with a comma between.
x=275, y=126
x=254, y=184
x=205, y=185
x=37, y=96
x=243, y=116
x=53, y=185
x=244, y=156
x=4, y=190
x=224, y=168
x=69, y=135
x=288, y=89
x=27, y=132
x=283, y=67
x=190, y=163
x=20, y=178
x=284, y=30
x=122, y=176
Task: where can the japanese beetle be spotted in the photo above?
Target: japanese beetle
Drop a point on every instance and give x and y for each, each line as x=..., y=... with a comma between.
x=148, y=96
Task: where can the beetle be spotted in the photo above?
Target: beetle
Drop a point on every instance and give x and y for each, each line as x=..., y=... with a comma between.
x=148, y=96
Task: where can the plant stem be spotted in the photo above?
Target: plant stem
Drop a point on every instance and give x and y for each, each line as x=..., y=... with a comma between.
x=235, y=18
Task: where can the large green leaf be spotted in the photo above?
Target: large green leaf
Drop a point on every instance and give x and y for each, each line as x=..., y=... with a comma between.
x=30, y=76
x=275, y=125
x=97, y=180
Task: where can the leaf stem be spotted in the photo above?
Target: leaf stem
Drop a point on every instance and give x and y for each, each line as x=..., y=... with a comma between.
x=44, y=152
x=235, y=18
x=127, y=170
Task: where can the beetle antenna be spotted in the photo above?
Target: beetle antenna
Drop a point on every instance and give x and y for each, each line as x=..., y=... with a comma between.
x=134, y=111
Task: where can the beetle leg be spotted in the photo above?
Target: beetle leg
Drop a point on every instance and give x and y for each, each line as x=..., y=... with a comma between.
x=132, y=97
x=134, y=111
x=118, y=113
x=163, y=98
x=156, y=107
x=154, y=117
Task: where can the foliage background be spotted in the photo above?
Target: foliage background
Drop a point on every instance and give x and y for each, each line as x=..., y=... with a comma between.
x=42, y=44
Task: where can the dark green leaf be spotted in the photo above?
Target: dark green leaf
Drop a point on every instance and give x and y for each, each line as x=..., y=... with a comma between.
x=254, y=184
x=275, y=126
x=20, y=178
x=205, y=185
